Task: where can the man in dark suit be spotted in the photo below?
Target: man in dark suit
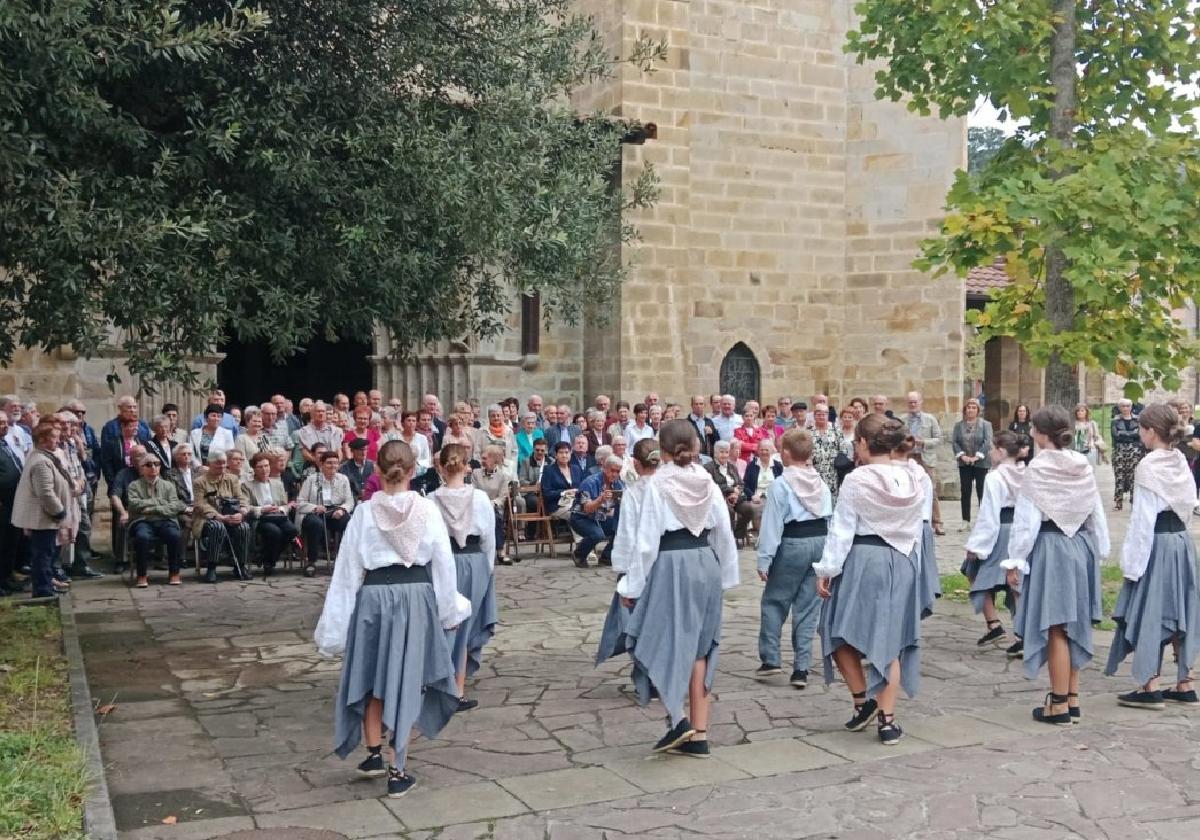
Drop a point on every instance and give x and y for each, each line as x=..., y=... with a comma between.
x=704, y=426
x=560, y=428
x=581, y=458
x=433, y=405
x=112, y=453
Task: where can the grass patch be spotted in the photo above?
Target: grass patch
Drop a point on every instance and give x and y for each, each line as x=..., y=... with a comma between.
x=42, y=777
x=956, y=587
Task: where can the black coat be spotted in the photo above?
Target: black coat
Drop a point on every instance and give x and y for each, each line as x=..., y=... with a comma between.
x=750, y=479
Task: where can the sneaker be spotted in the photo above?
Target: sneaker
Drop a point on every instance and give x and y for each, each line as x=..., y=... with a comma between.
x=1016, y=650
x=890, y=733
x=1187, y=698
x=85, y=571
x=465, y=705
x=765, y=670
x=142, y=582
x=676, y=735
x=862, y=716
x=799, y=679
x=1141, y=700
x=399, y=783
x=995, y=634
x=372, y=767
x=175, y=580
x=693, y=749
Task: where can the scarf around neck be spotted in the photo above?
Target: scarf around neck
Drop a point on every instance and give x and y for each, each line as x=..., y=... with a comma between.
x=457, y=507
x=1011, y=476
x=688, y=492
x=1061, y=484
x=808, y=486
x=1165, y=473
x=401, y=520
x=890, y=510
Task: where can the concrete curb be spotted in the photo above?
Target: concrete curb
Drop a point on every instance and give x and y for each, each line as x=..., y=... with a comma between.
x=98, y=820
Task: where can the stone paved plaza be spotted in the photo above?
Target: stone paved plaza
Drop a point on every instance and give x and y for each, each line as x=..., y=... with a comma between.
x=222, y=720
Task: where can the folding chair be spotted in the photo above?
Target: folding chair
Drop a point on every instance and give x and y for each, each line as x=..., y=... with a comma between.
x=517, y=522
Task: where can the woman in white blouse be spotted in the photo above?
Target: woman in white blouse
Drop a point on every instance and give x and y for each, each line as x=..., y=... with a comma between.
x=393, y=594
x=1058, y=537
x=1159, y=603
x=868, y=574
x=212, y=437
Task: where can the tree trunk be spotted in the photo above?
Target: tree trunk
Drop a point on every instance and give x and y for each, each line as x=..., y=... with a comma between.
x=1062, y=385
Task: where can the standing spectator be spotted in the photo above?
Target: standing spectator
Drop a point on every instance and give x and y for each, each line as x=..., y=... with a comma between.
x=75, y=448
x=655, y=418
x=155, y=507
x=602, y=404
x=41, y=506
x=638, y=429
x=751, y=431
x=211, y=438
x=19, y=439
x=320, y=430
x=783, y=413
x=703, y=425
x=160, y=444
x=1087, y=441
x=323, y=508
x=430, y=430
x=770, y=422
x=620, y=449
x=726, y=420
x=252, y=440
x=800, y=418
x=827, y=444
x=927, y=436
x=91, y=460
x=433, y=405
x=459, y=432
x=275, y=430
x=362, y=430
x=220, y=510
x=972, y=442
x=283, y=407
x=534, y=406
x=1127, y=450
x=375, y=400
x=528, y=436
x=617, y=428
x=358, y=468
x=879, y=405
x=228, y=420
x=118, y=436
x=269, y=508
x=1020, y=424
x=595, y=434
x=10, y=535
x=597, y=512
x=560, y=429
x=496, y=432
x=417, y=442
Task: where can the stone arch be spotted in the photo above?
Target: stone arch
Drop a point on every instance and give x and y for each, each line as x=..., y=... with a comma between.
x=741, y=374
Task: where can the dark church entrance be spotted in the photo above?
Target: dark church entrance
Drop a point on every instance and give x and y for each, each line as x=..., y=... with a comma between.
x=319, y=370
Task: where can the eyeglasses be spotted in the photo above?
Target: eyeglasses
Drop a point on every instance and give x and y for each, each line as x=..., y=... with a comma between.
x=152, y=464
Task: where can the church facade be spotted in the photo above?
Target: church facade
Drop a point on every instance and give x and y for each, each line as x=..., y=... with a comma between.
x=777, y=259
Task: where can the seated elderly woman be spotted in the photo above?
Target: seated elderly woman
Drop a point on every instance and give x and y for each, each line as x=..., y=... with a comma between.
x=497, y=432
x=560, y=482
x=155, y=507
x=219, y=518
x=270, y=509
x=323, y=508
x=494, y=480
x=211, y=437
x=761, y=470
x=723, y=470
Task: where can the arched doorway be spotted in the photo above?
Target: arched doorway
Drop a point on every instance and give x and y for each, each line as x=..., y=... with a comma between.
x=319, y=370
x=740, y=374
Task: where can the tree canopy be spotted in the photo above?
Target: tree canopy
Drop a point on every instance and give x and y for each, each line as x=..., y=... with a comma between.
x=1095, y=200
x=175, y=173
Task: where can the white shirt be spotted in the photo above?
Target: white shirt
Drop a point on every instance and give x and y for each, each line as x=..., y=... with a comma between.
x=625, y=542
x=987, y=524
x=483, y=519
x=420, y=448
x=262, y=493
x=725, y=425
x=364, y=547
x=1139, y=537
x=655, y=519
x=846, y=525
x=633, y=434
x=1027, y=522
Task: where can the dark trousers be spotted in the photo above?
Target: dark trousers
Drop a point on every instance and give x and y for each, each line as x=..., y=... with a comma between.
x=147, y=534
x=44, y=550
x=316, y=527
x=592, y=533
x=276, y=533
x=966, y=476
x=83, y=539
x=10, y=547
x=214, y=538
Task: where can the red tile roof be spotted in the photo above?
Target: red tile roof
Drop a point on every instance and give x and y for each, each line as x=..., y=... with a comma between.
x=983, y=279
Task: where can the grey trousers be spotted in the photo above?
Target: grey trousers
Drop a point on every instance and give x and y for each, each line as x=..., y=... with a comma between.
x=791, y=587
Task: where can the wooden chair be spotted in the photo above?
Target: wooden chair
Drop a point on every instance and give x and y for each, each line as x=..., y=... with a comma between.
x=517, y=522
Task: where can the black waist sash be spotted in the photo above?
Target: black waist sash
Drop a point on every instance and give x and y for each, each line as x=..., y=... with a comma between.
x=387, y=575
x=806, y=528
x=1168, y=522
x=1049, y=526
x=682, y=539
x=472, y=546
x=871, y=539
x=1006, y=515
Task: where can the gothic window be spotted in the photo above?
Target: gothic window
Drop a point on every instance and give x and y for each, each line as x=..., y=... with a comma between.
x=531, y=324
x=740, y=374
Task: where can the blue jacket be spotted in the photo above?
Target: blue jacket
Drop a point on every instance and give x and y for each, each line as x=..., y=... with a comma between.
x=112, y=455
x=553, y=484
x=591, y=489
x=750, y=478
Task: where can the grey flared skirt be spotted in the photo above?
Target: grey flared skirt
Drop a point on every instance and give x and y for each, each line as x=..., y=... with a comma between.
x=1151, y=611
x=676, y=621
x=875, y=608
x=1061, y=588
x=931, y=581
x=397, y=651
x=477, y=584
x=987, y=576
x=612, y=637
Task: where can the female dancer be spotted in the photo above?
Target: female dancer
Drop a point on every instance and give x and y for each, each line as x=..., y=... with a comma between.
x=988, y=543
x=684, y=556
x=392, y=595
x=871, y=623
x=470, y=519
x=930, y=582
x=1058, y=536
x=646, y=457
x=1159, y=603
x=794, y=524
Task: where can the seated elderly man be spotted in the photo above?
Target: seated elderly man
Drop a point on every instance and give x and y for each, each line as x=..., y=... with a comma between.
x=118, y=498
x=494, y=480
x=323, y=508
x=221, y=506
x=597, y=507
x=155, y=506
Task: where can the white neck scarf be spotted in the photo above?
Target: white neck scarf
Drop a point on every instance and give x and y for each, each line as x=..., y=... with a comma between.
x=401, y=519
x=1011, y=476
x=1165, y=473
x=1061, y=483
x=688, y=492
x=890, y=510
x=808, y=486
x=458, y=511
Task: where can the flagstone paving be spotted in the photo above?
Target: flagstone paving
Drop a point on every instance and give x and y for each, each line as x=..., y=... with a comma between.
x=222, y=717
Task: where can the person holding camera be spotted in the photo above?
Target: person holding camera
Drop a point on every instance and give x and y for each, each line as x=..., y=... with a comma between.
x=323, y=508
x=219, y=516
x=597, y=508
